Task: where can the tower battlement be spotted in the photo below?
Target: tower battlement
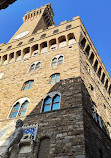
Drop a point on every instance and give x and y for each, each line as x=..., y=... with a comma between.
x=53, y=78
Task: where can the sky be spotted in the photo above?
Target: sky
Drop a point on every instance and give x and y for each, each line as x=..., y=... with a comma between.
x=95, y=14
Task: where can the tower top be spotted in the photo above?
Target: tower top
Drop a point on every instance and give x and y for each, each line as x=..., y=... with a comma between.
x=40, y=18
x=46, y=12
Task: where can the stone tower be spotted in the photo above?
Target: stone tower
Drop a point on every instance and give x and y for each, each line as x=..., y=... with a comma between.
x=53, y=79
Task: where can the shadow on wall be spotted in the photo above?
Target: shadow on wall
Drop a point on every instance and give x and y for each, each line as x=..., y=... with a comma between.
x=53, y=117
x=64, y=94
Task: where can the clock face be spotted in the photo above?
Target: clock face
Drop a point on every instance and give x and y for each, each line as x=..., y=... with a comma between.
x=21, y=35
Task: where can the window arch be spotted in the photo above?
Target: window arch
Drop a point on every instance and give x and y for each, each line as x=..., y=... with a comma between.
x=99, y=72
x=54, y=61
x=83, y=43
x=56, y=102
x=87, y=50
x=60, y=59
x=62, y=41
x=54, y=78
x=103, y=78
x=57, y=60
x=28, y=85
x=19, y=108
x=51, y=102
x=91, y=59
x=35, y=66
x=106, y=84
x=71, y=39
x=95, y=65
x=109, y=90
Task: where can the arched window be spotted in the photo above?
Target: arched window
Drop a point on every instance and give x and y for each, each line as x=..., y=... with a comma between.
x=47, y=104
x=56, y=102
x=54, y=61
x=103, y=77
x=87, y=50
x=83, y=43
x=19, y=108
x=24, y=108
x=60, y=59
x=28, y=84
x=57, y=60
x=99, y=72
x=44, y=148
x=51, y=102
x=95, y=65
x=91, y=58
x=97, y=119
x=109, y=91
x=35, y=66
x=106, y=84
x=54, y=78
x=32, y=67
x=15, y=110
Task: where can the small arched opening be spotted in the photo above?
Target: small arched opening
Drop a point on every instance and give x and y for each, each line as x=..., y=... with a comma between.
x=62, y=41
x=18, y=55
x=91, y=59
x=106, y=84
x=71, y=39
x=52, y=44
x=99, y=72
x=83, y=43
x=103, y=77
x=87, y=50
x=95, y=65
x=5, y=61
x=26, y=53
x=11, y=57
x=44, y=47
x=34, y=50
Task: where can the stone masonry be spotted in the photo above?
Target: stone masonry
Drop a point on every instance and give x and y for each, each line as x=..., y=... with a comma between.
x=81, y=127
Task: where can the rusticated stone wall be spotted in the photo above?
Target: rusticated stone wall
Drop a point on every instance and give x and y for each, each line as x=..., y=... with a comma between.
x=65, y=130
x=97, y=140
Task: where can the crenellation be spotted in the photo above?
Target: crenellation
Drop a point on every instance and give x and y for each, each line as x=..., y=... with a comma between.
x=52, y=78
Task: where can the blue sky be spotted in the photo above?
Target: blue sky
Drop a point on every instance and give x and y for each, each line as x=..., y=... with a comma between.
x=95, y=14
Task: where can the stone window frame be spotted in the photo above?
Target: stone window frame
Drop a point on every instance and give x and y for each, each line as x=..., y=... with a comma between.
x=36, y=62
x=28, y=81
x=51, y=95
x=55, y=76
x=21, y=101
x=57, y=56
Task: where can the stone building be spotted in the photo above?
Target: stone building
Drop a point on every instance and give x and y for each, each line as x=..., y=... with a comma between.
x=53, y=79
